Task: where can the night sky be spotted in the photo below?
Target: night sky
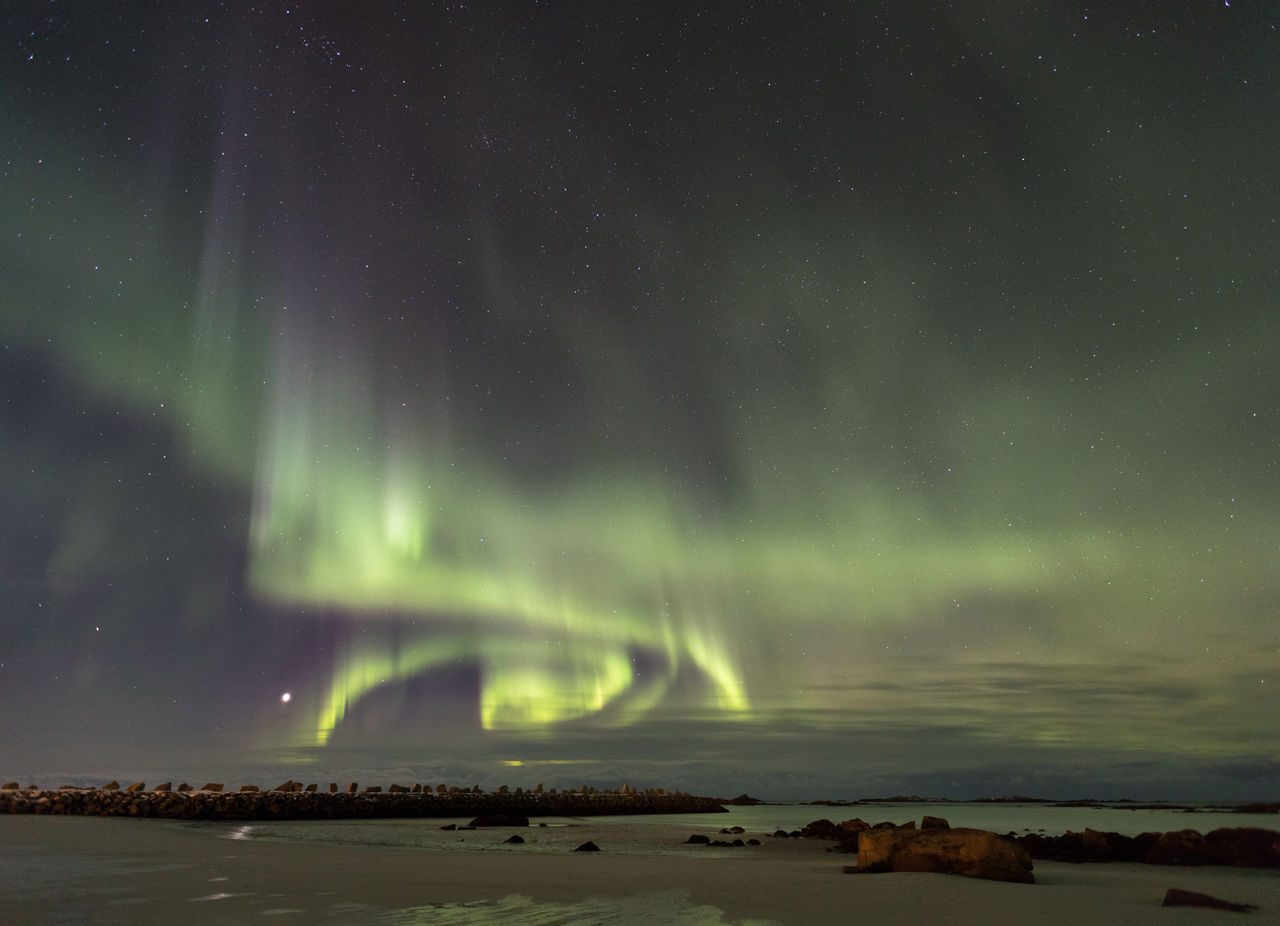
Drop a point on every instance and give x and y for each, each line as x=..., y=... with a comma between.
x=818, y=400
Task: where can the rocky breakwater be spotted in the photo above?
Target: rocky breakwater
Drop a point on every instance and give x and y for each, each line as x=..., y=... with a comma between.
x=294, y=801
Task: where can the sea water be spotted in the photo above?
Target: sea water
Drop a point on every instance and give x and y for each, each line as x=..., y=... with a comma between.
x=668, y=908
x=997, y=817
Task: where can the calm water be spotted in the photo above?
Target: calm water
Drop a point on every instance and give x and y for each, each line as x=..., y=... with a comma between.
x=998, y=818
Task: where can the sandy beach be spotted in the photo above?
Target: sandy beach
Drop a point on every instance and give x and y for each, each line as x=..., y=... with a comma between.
x=95, y=870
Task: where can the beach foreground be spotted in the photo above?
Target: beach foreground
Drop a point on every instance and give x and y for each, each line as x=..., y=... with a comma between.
x=100, y=870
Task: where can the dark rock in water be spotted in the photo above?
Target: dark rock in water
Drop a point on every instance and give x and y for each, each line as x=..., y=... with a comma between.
x=111, y=786
x=743, y=800
x=731, y=831
x=934, y=823
x=500, y=819
x=10, y=786
x=311, y=788
x=214, y=786
x=135, y=787
x=333, y=787
x=587, y=846
x=449, y=826
x=249, y=789
x=821, y=829
x=164, y=788
x=753, y=842
x=288, y=786
x=353, y=788
x=515, y=839
x=398, y=789
x=184, y=788
x=1175, y=897
x=781, y=834
x=373, y=789
x=960, y=851
x=698, y=840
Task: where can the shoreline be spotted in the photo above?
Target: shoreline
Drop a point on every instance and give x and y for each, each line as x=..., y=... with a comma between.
x=109, y=870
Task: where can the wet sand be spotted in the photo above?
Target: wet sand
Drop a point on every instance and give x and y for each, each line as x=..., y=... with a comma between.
x=99, y=870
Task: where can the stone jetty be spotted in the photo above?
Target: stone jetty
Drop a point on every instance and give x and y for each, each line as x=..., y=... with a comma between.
x=294, y=801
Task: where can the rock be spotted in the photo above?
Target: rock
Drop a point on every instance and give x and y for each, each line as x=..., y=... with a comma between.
x=821, y=829
x=1178, y=847
x=1243, y=846
x=249, y=789
x=333, y=787
x=449, y=826
x=353, y=788
x=164, y=788
x=311, y=789
x=10, y=786
x=515, y=839
x=743, y=800
x=1089, y=846
x=288, y=786
x=1270, y=807
x=373, y=789
x=732, y=831
x=500, y=819
x=135, y=787
x=184, y=787
x=587, y=846
x=398, y=789
x=934, y=823
x=1179, y=898
x=781, y=834
x=959, y=851
x=111, y=786
x=214, y=786
x=697, y=840
x=753, y=842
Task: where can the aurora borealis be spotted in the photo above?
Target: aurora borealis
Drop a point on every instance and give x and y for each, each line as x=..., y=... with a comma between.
x=811, y=399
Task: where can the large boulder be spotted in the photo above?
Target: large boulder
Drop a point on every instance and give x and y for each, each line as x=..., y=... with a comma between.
x=957, y=851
